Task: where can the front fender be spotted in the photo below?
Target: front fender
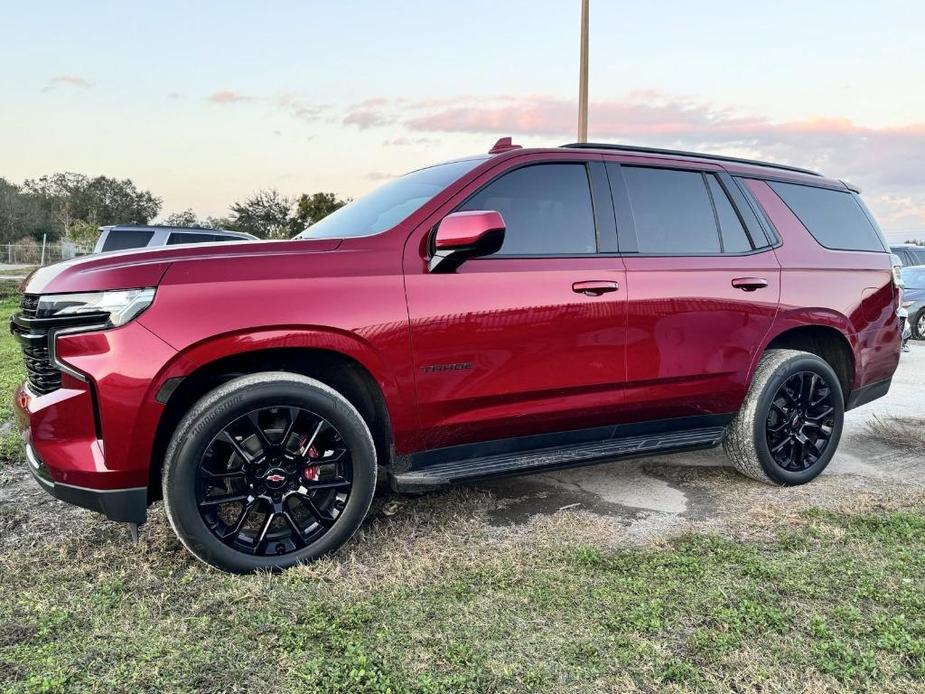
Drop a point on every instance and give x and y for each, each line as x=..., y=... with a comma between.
x=396, y=387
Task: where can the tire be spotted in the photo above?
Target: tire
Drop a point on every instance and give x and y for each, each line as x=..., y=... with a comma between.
x=917, y=323
x=755, y=441
x=311, y=473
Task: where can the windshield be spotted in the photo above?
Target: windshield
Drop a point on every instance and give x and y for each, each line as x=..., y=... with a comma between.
x=387, y=206
x=913, y=277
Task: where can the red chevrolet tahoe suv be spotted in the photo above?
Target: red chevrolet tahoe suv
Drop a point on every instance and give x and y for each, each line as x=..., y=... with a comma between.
x=500, y=314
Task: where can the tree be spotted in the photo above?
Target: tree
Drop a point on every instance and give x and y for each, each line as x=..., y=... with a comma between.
x=217, y=223
x=266, y=214
x=187, y=218
x=68, y=197
x=313, y=208
x=22, y=214
x=83, y=234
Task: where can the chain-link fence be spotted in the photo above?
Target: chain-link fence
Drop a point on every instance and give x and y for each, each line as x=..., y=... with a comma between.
x=35, y=253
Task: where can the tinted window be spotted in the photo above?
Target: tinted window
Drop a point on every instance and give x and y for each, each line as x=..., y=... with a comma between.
x=546, y=208
x=834, y=218
x=671, y=211
x=735, y=238
x=186, y=237
x=121, y=240
x=387, y=206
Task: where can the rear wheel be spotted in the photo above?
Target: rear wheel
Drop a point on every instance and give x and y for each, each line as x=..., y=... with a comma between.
x=790, y=424
x=268, y=471
x=918, y=325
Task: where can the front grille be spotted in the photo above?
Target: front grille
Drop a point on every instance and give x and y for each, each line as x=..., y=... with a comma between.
x=33, y=334
x=29, y=304
x=43, y=377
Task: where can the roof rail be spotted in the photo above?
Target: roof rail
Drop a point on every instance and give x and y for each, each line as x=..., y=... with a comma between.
x=699, y=155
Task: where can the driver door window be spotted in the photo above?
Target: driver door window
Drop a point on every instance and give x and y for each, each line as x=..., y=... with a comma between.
x=547, y=210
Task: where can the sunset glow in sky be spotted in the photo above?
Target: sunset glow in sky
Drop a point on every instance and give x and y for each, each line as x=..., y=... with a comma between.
x=205, y=102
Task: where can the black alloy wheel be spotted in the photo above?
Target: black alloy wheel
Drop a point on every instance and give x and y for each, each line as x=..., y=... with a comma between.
x=267, y=471
x=274, y=480
x=801, y=421
x=789, y=425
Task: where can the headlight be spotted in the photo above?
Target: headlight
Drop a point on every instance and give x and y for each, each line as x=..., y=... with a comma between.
x=115, y=307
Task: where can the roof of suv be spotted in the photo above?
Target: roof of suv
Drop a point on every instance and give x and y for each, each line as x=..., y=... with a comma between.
x=633, y=149
x=735, y=165
x=177, y=230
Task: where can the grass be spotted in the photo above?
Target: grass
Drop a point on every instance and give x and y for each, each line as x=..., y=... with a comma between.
x=904, y=432
x=834, y=603
x=12, y=373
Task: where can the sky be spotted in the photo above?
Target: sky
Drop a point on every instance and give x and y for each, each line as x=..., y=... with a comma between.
x=205, y=102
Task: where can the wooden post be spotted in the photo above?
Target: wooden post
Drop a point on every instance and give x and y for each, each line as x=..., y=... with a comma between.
x=44, y=239
x=583, y=76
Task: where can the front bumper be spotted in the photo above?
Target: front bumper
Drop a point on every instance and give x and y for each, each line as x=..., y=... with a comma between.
x=125, y=505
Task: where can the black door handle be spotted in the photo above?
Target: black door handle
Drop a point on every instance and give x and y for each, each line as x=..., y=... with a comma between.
x=749, y=284
x=594, y=287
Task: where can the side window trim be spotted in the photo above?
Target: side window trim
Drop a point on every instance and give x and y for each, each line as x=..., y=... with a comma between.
x=514, y=256
x=767, y=228
x=753, y=231
x=719, y=230
x=605, y=222
x=623, y=211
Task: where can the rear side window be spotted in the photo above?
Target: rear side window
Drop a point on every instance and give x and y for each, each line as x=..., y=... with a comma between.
x=547, y=209
x=122, y=240
x=671, y=210
x=735, y=238
x=186, y=237
x=833, y=217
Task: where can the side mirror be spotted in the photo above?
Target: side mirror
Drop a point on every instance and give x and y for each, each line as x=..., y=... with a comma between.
x=464, y=235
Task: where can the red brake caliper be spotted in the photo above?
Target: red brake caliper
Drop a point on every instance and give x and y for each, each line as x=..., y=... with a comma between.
x=310, y=473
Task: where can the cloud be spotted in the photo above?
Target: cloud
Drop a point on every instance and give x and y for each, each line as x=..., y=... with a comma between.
x=227, y=96
x=887, y=162
x=174, y=95
x=372, y=102
x=880, y=157
x=66, y=80
x=365, y=118
x=409, y=141
x=300, y=107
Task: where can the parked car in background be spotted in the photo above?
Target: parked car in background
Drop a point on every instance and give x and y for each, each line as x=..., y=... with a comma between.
x=511, y=312
x=121, y=237
x=914, y=298
x=909, y=253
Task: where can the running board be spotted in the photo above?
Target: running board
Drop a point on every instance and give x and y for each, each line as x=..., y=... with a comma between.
x=508, y=464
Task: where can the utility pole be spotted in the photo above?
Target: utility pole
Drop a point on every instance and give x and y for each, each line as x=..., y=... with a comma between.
x=583, y=76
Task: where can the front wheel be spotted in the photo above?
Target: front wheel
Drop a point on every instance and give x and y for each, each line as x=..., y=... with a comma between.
x=791, y=422
x=267, y=471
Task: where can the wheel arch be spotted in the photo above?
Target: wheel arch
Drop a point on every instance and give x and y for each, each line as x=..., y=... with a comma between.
x=342, y=372
x=826, y=341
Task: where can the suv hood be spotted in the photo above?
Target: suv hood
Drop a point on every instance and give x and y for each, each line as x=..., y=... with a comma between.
x=146, y=267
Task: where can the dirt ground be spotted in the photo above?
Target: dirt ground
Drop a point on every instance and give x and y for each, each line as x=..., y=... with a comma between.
x=621, y=503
